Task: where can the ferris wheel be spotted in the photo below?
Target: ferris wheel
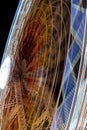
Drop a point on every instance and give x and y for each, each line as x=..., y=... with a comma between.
x=46, y=52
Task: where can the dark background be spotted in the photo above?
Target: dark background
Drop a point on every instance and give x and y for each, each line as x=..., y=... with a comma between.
x=7, y=12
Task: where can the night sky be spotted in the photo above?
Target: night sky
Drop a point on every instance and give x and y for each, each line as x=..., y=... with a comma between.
x=7, y=12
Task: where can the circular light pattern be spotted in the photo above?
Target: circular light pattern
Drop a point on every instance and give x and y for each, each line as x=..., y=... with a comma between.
x=46, y=58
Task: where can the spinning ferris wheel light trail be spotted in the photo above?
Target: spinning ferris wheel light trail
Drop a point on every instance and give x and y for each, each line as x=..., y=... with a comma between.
x=45, y=67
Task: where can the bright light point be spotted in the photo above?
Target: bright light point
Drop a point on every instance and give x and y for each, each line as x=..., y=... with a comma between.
x=86, y=49
x=4, y=72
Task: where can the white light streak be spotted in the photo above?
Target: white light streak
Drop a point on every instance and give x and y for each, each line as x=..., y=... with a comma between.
x=4, y=72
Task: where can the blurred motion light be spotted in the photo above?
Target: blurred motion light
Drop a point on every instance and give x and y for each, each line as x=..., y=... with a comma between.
x=4, y=72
